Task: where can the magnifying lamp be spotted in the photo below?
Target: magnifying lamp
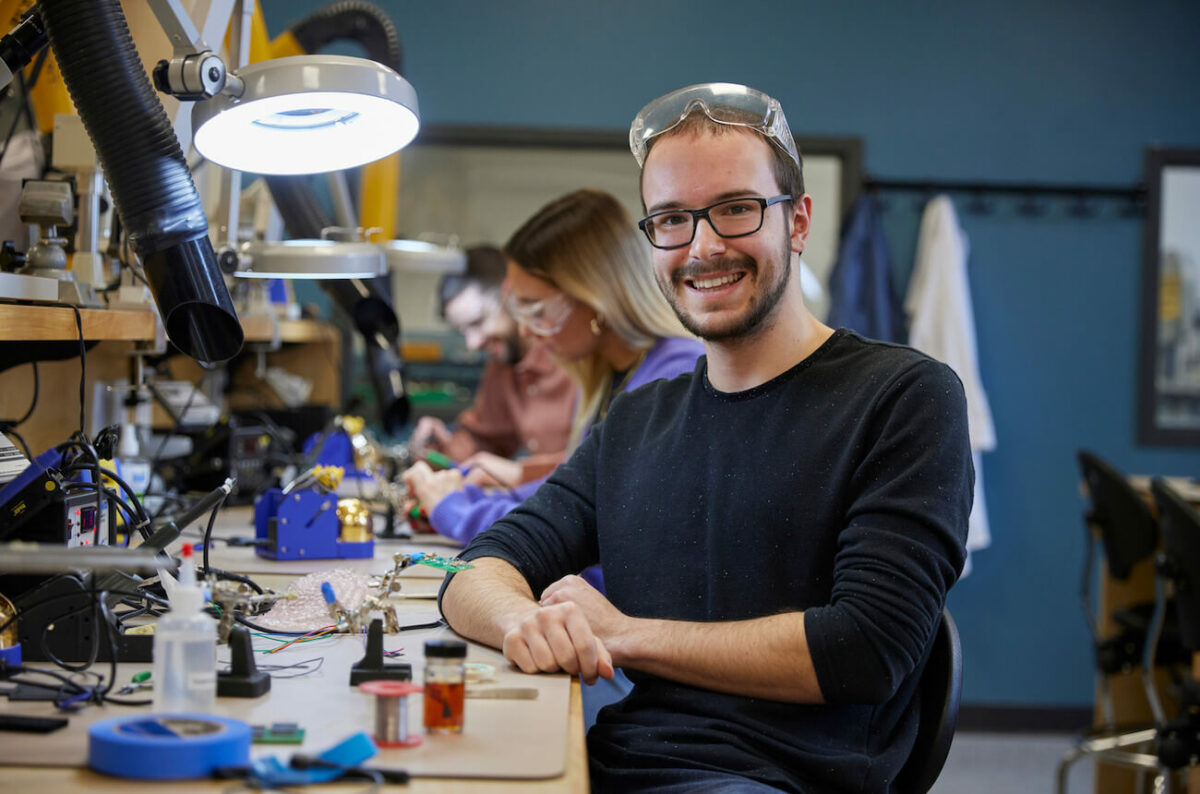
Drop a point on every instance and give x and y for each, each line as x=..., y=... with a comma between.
x=420, y=256
x=306, y=114
x=310, y=259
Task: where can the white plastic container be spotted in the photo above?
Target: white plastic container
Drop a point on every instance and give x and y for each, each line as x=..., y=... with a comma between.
x=131, y=466
x=185, y=650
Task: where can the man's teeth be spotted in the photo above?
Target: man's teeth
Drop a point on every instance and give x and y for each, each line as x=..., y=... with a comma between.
x=713, y=283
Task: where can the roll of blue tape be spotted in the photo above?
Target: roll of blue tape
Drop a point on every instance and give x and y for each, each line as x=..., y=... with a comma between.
x=167, y=746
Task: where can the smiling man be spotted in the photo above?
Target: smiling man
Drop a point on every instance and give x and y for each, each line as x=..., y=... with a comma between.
x=778, y=529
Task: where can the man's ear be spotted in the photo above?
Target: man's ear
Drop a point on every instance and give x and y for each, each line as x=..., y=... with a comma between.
x=801, y=222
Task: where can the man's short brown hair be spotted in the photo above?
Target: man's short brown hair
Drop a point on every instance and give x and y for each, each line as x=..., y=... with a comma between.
x=788, y=174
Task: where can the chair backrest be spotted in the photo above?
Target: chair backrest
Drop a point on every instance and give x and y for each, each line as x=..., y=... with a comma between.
x=939, y=692
x=1180, y=525
x=1127, y=526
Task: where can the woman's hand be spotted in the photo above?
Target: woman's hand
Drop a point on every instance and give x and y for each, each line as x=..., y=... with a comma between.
x=430, y=433
x=488, y=470
x=431, y=487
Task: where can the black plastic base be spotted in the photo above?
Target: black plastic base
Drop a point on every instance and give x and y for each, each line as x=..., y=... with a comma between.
x=372, y=667
x=244, y=679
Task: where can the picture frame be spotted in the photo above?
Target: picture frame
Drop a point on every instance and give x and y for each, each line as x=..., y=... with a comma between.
x=1169, y=365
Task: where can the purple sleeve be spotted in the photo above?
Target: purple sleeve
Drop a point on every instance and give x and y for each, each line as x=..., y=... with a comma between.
x=464, y=514
x=668, y=358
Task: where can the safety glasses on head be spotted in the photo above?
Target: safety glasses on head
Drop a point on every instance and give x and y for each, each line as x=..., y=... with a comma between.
x=724, y=103
x=545, y=317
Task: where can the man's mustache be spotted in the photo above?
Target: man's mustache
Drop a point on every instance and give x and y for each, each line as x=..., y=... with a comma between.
x=711, y=267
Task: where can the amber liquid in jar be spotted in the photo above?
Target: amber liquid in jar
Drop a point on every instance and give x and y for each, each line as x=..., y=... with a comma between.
x=445, y=685
x=444, y=707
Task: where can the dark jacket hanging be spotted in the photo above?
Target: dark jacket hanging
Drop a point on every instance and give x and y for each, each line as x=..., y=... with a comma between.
x=860, y=285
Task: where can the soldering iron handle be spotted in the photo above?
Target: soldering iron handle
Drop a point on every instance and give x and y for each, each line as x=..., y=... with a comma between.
x=206, y=503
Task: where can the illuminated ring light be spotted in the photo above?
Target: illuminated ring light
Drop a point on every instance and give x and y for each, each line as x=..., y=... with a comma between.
x=310, y=259
x=307, y=114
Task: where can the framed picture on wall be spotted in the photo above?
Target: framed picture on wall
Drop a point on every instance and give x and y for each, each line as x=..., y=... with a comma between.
x=1169, y=382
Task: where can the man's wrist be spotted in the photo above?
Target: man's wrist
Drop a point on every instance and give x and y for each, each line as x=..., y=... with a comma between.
x=512, y=618
x=635, y=639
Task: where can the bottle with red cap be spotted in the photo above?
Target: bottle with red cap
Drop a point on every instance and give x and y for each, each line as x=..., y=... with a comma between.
x=185, y=649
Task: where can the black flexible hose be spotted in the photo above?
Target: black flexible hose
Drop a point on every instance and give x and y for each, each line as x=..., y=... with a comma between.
x=356, y=20
x=304, y=217
x=146, y=171
x=368, y=307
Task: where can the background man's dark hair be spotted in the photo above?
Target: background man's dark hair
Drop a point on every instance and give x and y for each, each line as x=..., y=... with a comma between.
x=485, y=267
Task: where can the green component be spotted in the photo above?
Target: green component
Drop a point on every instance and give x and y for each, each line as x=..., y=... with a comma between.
x=280, y=733
x=436, y=458
x=444, y=563
x=140, y=677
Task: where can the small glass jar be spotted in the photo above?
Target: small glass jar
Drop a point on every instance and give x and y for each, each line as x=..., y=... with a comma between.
x=445, y=685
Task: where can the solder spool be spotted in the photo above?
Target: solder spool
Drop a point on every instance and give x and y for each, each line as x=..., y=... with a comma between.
x=391, y=712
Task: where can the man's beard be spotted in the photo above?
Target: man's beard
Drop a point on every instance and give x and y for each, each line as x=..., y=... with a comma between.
x=761, y=305
x=513, y=349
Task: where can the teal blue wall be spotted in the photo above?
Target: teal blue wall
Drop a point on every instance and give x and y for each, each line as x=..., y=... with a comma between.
x=1023, y=90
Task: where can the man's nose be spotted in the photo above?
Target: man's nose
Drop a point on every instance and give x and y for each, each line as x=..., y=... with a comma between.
x=706, y=242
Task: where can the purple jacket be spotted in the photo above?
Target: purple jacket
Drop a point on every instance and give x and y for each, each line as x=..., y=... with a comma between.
x=464, y=514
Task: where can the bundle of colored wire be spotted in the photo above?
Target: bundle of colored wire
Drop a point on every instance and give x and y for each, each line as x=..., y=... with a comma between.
x=318, y=634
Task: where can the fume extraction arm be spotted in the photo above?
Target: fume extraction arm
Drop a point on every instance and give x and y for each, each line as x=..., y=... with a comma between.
x=148, y=177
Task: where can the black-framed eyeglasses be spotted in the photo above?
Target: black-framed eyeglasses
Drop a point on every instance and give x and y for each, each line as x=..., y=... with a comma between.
x=732, y=218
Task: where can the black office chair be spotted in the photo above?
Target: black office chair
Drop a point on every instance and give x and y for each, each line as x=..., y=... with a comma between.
x=1178, y=569
x=940, y=692
x=1129, y=532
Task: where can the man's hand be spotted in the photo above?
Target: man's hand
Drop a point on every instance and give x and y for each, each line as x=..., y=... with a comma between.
x=557, y=638
x=605, y=620
x=431, y=487
x=430, y=433
x=488, y=470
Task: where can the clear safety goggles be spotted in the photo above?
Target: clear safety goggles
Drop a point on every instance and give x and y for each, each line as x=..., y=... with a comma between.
x=724, y=103
x=545, y=317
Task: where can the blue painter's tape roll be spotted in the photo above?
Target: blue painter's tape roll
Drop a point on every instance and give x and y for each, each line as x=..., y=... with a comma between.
x=167, y=746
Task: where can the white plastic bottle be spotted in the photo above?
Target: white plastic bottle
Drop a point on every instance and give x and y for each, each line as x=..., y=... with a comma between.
x=132, y=467
x=185, y=649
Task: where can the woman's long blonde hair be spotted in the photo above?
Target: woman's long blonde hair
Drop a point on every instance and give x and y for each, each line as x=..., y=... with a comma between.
x=586, y=244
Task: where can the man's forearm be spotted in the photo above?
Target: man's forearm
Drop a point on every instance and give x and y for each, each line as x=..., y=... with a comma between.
x=765, y=657
x=484, y=602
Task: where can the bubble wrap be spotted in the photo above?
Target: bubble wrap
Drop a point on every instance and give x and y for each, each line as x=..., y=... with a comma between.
x=308, y=611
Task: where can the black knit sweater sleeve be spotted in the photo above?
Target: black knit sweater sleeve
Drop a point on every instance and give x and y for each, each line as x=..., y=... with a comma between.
x=902, y=545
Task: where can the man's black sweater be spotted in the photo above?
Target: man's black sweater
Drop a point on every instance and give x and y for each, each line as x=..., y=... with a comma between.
x=840, y=489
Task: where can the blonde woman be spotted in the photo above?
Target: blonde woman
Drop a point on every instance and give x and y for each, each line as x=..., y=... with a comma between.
x=580, y=283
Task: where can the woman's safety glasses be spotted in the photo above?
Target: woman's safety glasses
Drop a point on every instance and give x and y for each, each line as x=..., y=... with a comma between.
x=545, y=317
